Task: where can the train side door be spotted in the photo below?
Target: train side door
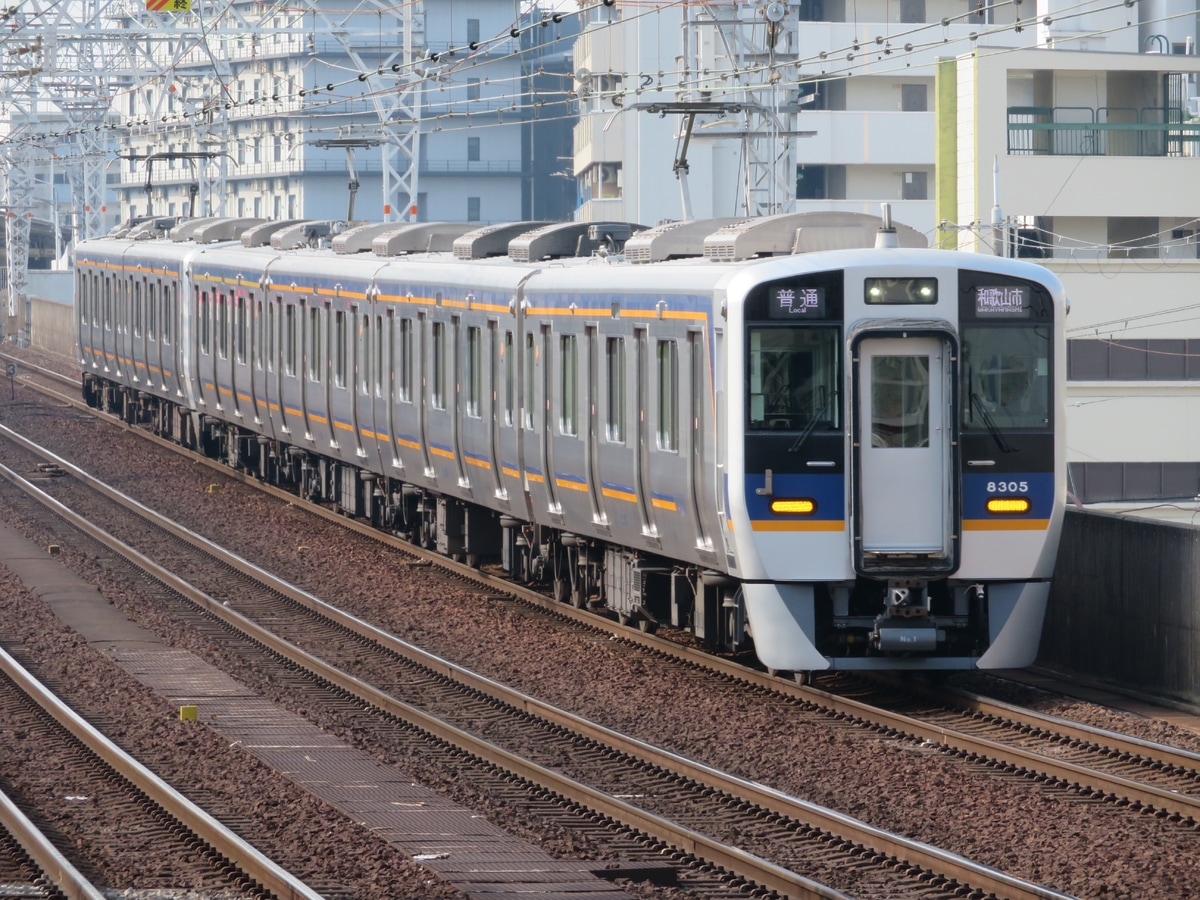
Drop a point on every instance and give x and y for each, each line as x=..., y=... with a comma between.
x=906, y=486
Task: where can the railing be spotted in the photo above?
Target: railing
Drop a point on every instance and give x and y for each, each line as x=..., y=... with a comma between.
x=1103, y=131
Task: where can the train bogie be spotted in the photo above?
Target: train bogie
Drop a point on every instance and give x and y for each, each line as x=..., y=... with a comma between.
x=844, y=460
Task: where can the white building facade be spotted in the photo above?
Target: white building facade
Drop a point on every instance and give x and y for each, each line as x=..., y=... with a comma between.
x=305, y=112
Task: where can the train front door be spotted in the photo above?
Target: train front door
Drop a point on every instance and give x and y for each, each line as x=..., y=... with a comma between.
x=907, y=491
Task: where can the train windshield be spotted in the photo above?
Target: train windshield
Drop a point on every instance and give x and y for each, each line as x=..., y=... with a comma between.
x=792, y=378
x=1006, y=378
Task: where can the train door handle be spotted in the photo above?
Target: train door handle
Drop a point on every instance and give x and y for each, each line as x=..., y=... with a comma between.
x=767, y=489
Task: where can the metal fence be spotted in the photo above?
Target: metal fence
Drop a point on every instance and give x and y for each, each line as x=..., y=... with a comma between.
x=1100, y=131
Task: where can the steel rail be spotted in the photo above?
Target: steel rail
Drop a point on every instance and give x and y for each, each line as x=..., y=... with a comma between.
x=241, y=854
x=761, y=871
x=55, y=867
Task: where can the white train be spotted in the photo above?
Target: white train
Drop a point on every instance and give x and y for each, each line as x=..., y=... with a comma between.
x=840, y=458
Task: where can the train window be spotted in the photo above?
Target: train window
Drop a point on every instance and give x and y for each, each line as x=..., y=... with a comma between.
x=568, y=422
x=405, y=367
x=137, y=309
x=472, y=376
x=289, y=335
x=260, y=343
x=242, y=325
x=530, y=374
x=108, y=304
x=437, y=366
x=153, y=311
x=510, y=387
x=793, y=378
x=362, y=337
x=338, y=350
x=900, y=401
x=205, y=318
x=378, y=356
x=615, y=408
x=168, y=313
x=668, y=395
x=1006, y=377
x=223, y=325
x=314, y=343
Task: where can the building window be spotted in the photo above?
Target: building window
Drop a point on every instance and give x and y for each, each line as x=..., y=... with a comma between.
x=602, y=181
x=912, y=11
x=913, y=186
x=914, y=98
x=472, y=30
x=473, y=209
x=473, y=149
x=472, y=88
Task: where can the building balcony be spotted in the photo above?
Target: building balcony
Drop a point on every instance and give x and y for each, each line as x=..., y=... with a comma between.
x=1104, y=131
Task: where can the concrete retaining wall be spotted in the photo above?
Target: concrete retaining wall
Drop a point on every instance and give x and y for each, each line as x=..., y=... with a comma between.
x=1124, y=606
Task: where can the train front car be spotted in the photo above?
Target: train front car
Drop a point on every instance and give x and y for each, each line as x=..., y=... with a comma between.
x=897, y=486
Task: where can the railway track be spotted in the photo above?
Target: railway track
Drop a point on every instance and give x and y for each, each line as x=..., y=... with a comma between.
x=710, y=820
x=1157, y=779
x=1089, y=763
x=142, y=813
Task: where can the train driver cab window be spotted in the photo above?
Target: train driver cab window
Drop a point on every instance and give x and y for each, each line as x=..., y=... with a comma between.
x=1006, y=362
x=793, y=378
x=1007, y=378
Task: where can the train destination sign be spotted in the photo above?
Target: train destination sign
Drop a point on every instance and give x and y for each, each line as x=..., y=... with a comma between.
x=1002, y=302
x=796, y=302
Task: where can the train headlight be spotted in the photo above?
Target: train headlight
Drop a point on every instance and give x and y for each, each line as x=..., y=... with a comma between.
x=794, y=507
x=1008, y=506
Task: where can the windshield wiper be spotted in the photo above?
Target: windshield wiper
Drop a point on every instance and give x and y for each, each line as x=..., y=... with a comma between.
x=812, y=423
x=993, y=430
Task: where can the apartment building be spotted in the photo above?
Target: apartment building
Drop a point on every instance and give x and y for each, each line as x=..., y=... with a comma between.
x=319, y=110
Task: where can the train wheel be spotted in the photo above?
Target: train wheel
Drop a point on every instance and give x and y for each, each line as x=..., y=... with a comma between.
x=562, y=590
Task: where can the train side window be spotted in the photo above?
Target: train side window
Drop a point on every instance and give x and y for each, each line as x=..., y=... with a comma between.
x=223, y=325
x=152, y=311
x=364, y=340
x=437, y=365
x=615, y=407
x=240, y=337
x=568, y=421
x=269, y=343
x=205, y=318
x=473, y=374
x=510, y=386
x=137, y=309
x=314, y=348
x=668, y=395
x=168, y=313
x=338, y=350
x=289, y=328
x=379, y=333
x=406, y=360
x=108, y=304
x=259, y=342
x=530, y=375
